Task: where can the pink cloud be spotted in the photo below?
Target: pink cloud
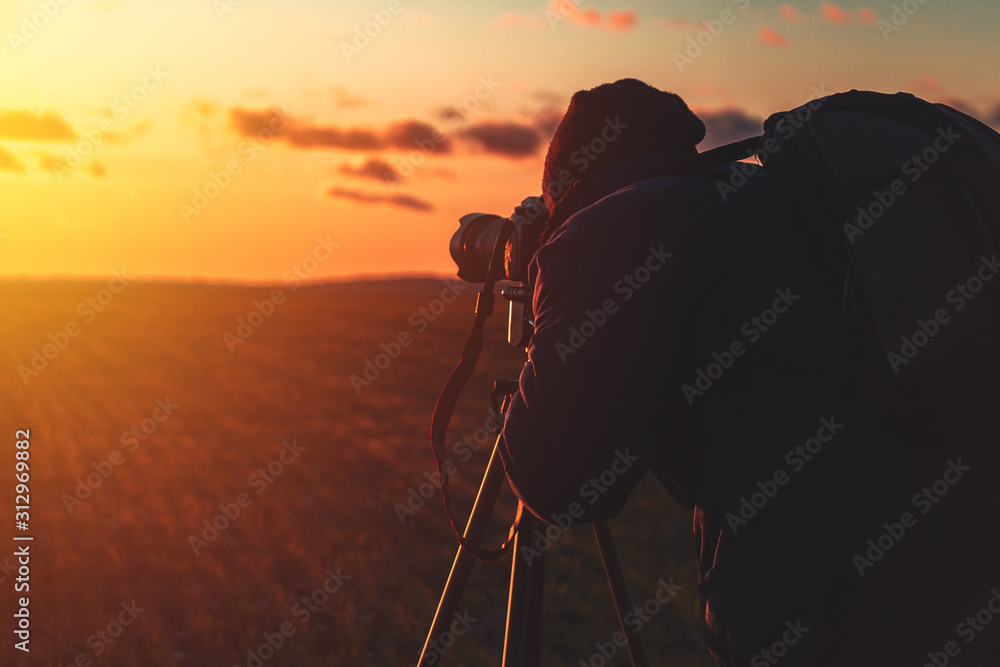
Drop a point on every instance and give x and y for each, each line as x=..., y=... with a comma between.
x=834, y=13
x=791, y=14
x=616, y=20
x=590, y=17
x=928, y=84
x=866, y=15
x=622, y=19
x=770, y=36
x=829, y=12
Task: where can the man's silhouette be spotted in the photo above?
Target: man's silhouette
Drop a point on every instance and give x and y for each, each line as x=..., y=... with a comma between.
x=704, y=339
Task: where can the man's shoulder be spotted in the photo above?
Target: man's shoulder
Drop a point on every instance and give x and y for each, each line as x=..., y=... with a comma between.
x=675, y=198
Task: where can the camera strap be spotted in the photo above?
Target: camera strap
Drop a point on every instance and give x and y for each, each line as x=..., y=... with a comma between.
x=452, y=390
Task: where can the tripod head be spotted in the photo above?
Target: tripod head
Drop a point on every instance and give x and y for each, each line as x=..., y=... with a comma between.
x=476, y=245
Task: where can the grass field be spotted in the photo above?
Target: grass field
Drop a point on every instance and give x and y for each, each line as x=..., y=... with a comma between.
x=148, y=404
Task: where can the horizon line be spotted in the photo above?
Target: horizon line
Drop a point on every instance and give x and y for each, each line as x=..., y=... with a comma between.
x=230, y=282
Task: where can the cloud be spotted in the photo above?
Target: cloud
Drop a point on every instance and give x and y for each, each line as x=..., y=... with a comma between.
x=727, y=125
x=770, y=36
x=399, y=200
x=791, y=14
x=51, y=164
x=834, y=13
x=514, y=140
x=410, y=134
x=622, y=20
x=9, y=162
x=616, y=20
x=829, y=12
x=547, y=120
x=372, y=168
x=333, y=138
x=867, y=16
x=345, y=100
x=928, y=84
x=549, y=98
x=24, y=125
x=515, y=20
x=401, y=135
x=204, y=107
x=54, y=165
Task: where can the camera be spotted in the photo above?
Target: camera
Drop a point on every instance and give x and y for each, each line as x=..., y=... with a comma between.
x=473, y=245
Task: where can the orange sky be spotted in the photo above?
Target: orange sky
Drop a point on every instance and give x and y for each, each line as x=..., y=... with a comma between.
x=220, y=139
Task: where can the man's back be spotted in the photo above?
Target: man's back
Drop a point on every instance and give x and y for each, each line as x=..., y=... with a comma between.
x=732, y=365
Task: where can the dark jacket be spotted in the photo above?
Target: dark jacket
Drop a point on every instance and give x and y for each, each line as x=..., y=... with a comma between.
x=703, y=338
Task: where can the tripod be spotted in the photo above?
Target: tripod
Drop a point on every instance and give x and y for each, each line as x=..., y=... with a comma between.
x=522, y=643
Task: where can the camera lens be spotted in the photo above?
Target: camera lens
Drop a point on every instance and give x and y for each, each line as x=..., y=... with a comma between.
x=472, y=245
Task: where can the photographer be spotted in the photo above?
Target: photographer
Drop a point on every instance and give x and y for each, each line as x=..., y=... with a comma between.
x=703, y=338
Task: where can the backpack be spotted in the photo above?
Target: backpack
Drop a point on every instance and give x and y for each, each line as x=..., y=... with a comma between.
x=905, y=196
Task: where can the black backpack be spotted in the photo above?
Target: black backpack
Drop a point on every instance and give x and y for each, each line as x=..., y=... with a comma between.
x=905, y=195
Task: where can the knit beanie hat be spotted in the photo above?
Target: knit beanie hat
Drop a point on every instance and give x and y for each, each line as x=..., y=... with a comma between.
x=612, y=122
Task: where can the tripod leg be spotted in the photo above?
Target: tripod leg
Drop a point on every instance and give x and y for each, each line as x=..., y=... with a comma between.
x=523, y=642
x=479, y=519
x=620, y=591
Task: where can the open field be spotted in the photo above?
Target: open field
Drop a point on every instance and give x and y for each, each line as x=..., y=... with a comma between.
x=144, y=423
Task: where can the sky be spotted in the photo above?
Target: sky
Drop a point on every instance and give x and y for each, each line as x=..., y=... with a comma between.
x=238, y=140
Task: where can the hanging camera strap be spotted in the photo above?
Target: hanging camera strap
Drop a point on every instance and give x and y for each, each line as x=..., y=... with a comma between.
x=452, y=390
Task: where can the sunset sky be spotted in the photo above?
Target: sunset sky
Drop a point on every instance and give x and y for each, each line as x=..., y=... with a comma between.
x=219, y=139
